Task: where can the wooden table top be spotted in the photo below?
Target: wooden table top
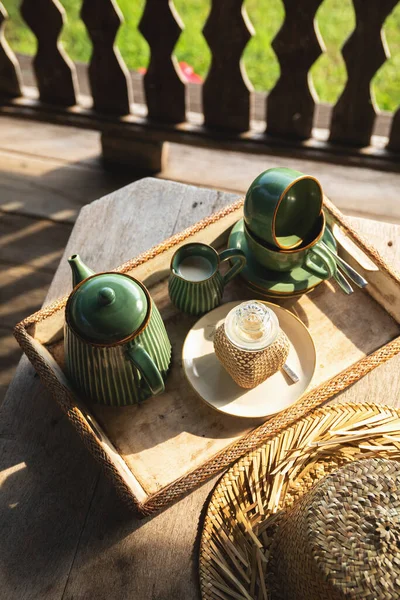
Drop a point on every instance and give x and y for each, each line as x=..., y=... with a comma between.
x=64, y=533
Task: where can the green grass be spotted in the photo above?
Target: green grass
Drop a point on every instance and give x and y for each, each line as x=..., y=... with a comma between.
x=335, y=21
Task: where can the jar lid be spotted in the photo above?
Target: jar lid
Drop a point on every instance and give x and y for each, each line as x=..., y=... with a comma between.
x=251, y=326
x=107, y=308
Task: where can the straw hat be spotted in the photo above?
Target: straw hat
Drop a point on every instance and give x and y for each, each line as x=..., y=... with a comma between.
x=313, y=514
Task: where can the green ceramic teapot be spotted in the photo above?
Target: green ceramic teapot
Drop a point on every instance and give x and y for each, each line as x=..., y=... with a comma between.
x=117, y=350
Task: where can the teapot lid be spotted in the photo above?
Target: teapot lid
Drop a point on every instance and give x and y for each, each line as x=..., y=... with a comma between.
x=108, y=308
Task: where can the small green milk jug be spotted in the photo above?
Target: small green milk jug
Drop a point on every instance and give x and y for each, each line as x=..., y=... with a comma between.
x=117, y=350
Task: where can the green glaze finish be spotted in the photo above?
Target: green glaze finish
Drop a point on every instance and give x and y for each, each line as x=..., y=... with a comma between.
x=79, y=270
x=117, y=350
x=147, y=367
x=107, y=308
x=316, y=259
x=122, y=374
x=198, y=297
x=268, y=283
x=282, y=207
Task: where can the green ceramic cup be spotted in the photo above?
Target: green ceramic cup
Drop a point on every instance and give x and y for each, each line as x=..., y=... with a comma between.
x=196, y=284
x=282, y=206
x=313, y=256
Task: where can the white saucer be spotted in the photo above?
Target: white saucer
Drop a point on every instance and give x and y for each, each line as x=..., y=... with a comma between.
x=215, y=386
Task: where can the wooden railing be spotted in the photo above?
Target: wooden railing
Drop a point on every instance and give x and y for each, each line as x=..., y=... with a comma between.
x=133, y=135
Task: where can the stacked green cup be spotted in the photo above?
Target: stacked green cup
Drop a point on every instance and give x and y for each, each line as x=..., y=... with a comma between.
x=284, y=222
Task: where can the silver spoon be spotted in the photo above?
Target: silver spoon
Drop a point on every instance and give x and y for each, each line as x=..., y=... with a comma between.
x=346, y=268
x=290, y=373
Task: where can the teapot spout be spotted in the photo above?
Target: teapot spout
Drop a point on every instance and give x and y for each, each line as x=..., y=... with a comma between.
x=79, y=270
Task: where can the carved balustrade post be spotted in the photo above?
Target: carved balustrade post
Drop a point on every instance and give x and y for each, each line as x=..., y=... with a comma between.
x=108, y=75
x=164, y=84
x=291, y=103
x=364, y=52
x=54, y=71
x=10, y=76
x=227, y=91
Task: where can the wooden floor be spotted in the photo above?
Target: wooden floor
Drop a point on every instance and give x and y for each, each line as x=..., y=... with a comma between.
x=47, y=173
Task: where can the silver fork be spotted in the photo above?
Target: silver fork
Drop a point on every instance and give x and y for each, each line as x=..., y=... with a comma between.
x=346, y=268
x=343, y=282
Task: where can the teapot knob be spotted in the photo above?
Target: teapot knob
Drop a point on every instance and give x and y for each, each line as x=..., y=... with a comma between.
x=106, y=296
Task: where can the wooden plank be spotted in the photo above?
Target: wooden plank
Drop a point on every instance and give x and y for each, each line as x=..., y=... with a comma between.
x=47, y=481
x=193, y=133
x=37, y=243
x=145, y=156
x=71, y=173
x=40, y=459
x=226, y=90
x=10, y=76
x=383, y=236
x=164, y=83
x=109, y=77
x=155, y=558
x=56, y=142
x=55, y=72
x=291, y=103
x=114, y=555
x=126, y=212
x=51, y=188
x=10, y=354
x=364, y=52
x=355, y=190
x=23, y=290
x=383, y=384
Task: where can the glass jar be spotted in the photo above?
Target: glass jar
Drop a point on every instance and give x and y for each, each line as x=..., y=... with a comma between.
x=250, y=344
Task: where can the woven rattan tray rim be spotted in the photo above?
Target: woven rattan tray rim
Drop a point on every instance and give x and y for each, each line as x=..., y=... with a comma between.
x=223, y=459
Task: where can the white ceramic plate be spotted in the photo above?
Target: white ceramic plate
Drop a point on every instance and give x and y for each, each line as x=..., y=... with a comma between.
x=215, y=386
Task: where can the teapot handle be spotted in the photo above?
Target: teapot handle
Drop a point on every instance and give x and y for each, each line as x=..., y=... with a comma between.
x=147, y=367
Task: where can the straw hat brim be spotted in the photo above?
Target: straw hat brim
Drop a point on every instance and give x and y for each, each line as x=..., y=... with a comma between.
x=250, y=498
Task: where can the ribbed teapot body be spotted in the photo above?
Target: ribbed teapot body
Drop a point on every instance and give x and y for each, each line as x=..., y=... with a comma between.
x=105, y=374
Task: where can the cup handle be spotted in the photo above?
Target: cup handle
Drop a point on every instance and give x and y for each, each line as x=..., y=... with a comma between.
x=237, y=267
x=329, y=268
x=147, y=367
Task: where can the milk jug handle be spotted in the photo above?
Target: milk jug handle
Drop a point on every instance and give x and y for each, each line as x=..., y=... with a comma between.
x=239, y=264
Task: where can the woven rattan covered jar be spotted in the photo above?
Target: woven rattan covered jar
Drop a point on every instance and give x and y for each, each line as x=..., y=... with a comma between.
x=341, y=540
x=250, y=344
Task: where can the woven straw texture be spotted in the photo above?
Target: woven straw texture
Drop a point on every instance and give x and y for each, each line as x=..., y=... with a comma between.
x=247, y=443
x=248, y=520
x=249, y=369
x=341, y=539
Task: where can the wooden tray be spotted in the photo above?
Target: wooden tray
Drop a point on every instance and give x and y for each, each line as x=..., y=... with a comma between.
x=158, y=451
